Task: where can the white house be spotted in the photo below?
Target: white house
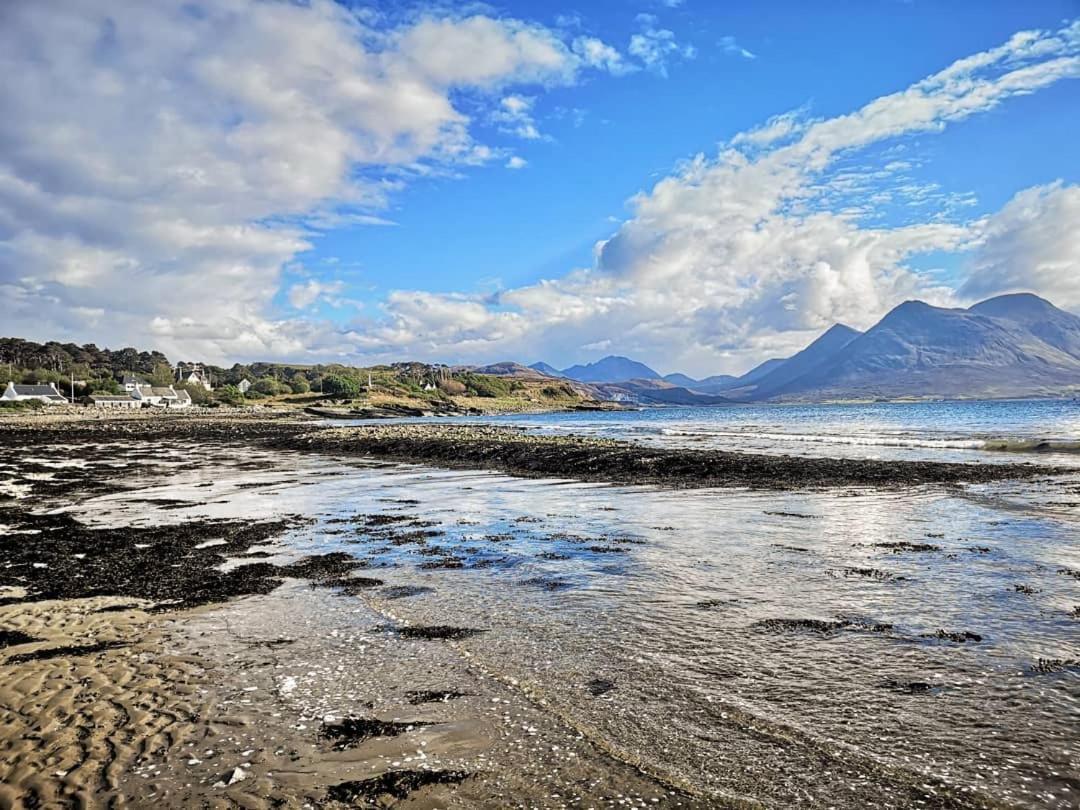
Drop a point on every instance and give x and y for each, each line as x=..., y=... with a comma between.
x=42, y=393
x=244, y=386
x=131, y=382
x=195, y=376
x=161, y=396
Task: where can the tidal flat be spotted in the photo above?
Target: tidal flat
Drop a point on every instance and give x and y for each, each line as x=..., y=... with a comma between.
x=260, y=612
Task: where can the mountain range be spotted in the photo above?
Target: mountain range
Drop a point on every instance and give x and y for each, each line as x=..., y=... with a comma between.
x=1017, y=345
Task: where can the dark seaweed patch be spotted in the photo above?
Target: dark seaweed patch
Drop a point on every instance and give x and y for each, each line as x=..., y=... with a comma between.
x=907, y=687
x=438, y=632
x=432, y=696
x=902, y=546
x=405, y=591
x=794, y=515
x=548, y=583
x=352, y=731
x=12, y=638
x=599, y=686
x=1049, y=666
x=66, y=652
x=960, y=637
x=442, y=563
x=871, y=573
x=393, y=784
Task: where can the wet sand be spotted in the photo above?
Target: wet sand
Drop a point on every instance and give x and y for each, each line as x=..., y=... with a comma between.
x=185, y=659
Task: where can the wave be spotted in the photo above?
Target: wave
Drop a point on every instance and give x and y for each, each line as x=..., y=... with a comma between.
x=876, y=440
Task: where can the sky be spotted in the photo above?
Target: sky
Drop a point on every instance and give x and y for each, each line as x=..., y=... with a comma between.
x=697, y=185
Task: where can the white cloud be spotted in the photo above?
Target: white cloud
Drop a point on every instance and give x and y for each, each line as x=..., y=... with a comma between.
x=732, y=48
x=751, y=254
x=1033, y=243
x=516, y=162
x=656, y=47
x=598, y=54
x=514, y=117
x=163, y=161
x=304, y=295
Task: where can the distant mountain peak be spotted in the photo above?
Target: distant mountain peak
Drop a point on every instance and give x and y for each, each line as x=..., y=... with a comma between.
x=613, y=368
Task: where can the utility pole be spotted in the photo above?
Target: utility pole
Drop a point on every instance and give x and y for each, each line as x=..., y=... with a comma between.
x=72, y=386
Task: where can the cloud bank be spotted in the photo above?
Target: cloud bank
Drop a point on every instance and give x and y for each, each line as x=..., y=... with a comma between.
x=163, y=163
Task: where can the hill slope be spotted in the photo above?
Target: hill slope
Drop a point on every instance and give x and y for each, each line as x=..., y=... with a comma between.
x=611, y=369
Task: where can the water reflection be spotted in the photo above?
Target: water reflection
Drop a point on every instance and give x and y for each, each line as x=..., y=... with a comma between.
x=732, y=639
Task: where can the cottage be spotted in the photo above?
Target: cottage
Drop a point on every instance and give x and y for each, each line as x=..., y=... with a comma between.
x=161, y=396
x=25, y=393
x=244, y=386
x=131, y=382
x=194, y=376
x=114, y=401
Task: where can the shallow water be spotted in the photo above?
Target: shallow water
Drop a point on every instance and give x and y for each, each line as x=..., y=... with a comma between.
x=646, y=618
x=948, y=431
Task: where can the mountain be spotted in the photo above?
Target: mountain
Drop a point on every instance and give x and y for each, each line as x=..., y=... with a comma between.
x=1050, y=324
x=611, y=369
x=680, y=380
x=820, y=351
x=1010, y=346
x=757, y=372
x=655, y=392
x=544, y=368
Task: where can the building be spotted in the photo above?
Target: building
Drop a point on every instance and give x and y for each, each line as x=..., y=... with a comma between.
x=25, y=393
x=244, y=386
x=161, y=396
x=131, y=382
x=114, y=401
x=193, y=375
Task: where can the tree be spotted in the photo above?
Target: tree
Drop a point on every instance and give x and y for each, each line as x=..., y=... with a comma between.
x=299, y=384
x=162, y=375
x=230, y=395
x=198, y=394
x=268, y=386
x=104, y=385
x=337, y=385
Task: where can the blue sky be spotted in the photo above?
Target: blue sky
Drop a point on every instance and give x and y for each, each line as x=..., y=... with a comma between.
x=439, y=182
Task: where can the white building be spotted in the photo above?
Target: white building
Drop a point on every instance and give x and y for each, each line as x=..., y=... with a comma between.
x=244, y=386
x=131, y=382
x=161, y=396
x=194, y=375
x=42, y=393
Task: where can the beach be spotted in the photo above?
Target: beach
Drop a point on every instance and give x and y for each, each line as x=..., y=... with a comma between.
x=258, y=610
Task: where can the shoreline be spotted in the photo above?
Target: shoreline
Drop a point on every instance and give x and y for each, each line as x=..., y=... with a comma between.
x=515, y=452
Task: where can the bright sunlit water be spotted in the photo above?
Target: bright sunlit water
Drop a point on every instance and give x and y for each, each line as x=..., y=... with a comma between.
x=926, y=430
x=771, y=646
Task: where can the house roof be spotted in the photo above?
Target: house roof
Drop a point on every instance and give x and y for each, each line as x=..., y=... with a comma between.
x=162, y=391
x=182, y=394
x=37, y=391
x=111, y=398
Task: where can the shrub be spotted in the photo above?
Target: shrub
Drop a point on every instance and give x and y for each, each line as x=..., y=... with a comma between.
x=452, y=387
x=230, y=395
x=337, y=385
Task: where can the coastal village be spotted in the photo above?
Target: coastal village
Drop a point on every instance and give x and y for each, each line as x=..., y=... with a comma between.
x=137, y=392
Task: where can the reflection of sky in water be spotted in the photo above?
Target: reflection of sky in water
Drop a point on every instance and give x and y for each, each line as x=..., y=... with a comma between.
x=671, y=615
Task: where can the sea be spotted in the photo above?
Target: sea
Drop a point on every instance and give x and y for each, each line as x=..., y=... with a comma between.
x=779, y=649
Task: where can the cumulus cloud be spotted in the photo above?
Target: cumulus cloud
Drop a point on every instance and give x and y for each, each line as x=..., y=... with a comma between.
x=514, y=117
x=1032, y=243
x=162, y=162
x=516, y=162
x=750, y=254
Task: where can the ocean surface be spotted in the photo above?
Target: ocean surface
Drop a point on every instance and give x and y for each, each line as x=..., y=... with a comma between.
x=952, y=431
x=790, y=648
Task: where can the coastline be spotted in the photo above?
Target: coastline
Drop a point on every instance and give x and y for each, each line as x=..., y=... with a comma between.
x=188, y=655
x=516, y=452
